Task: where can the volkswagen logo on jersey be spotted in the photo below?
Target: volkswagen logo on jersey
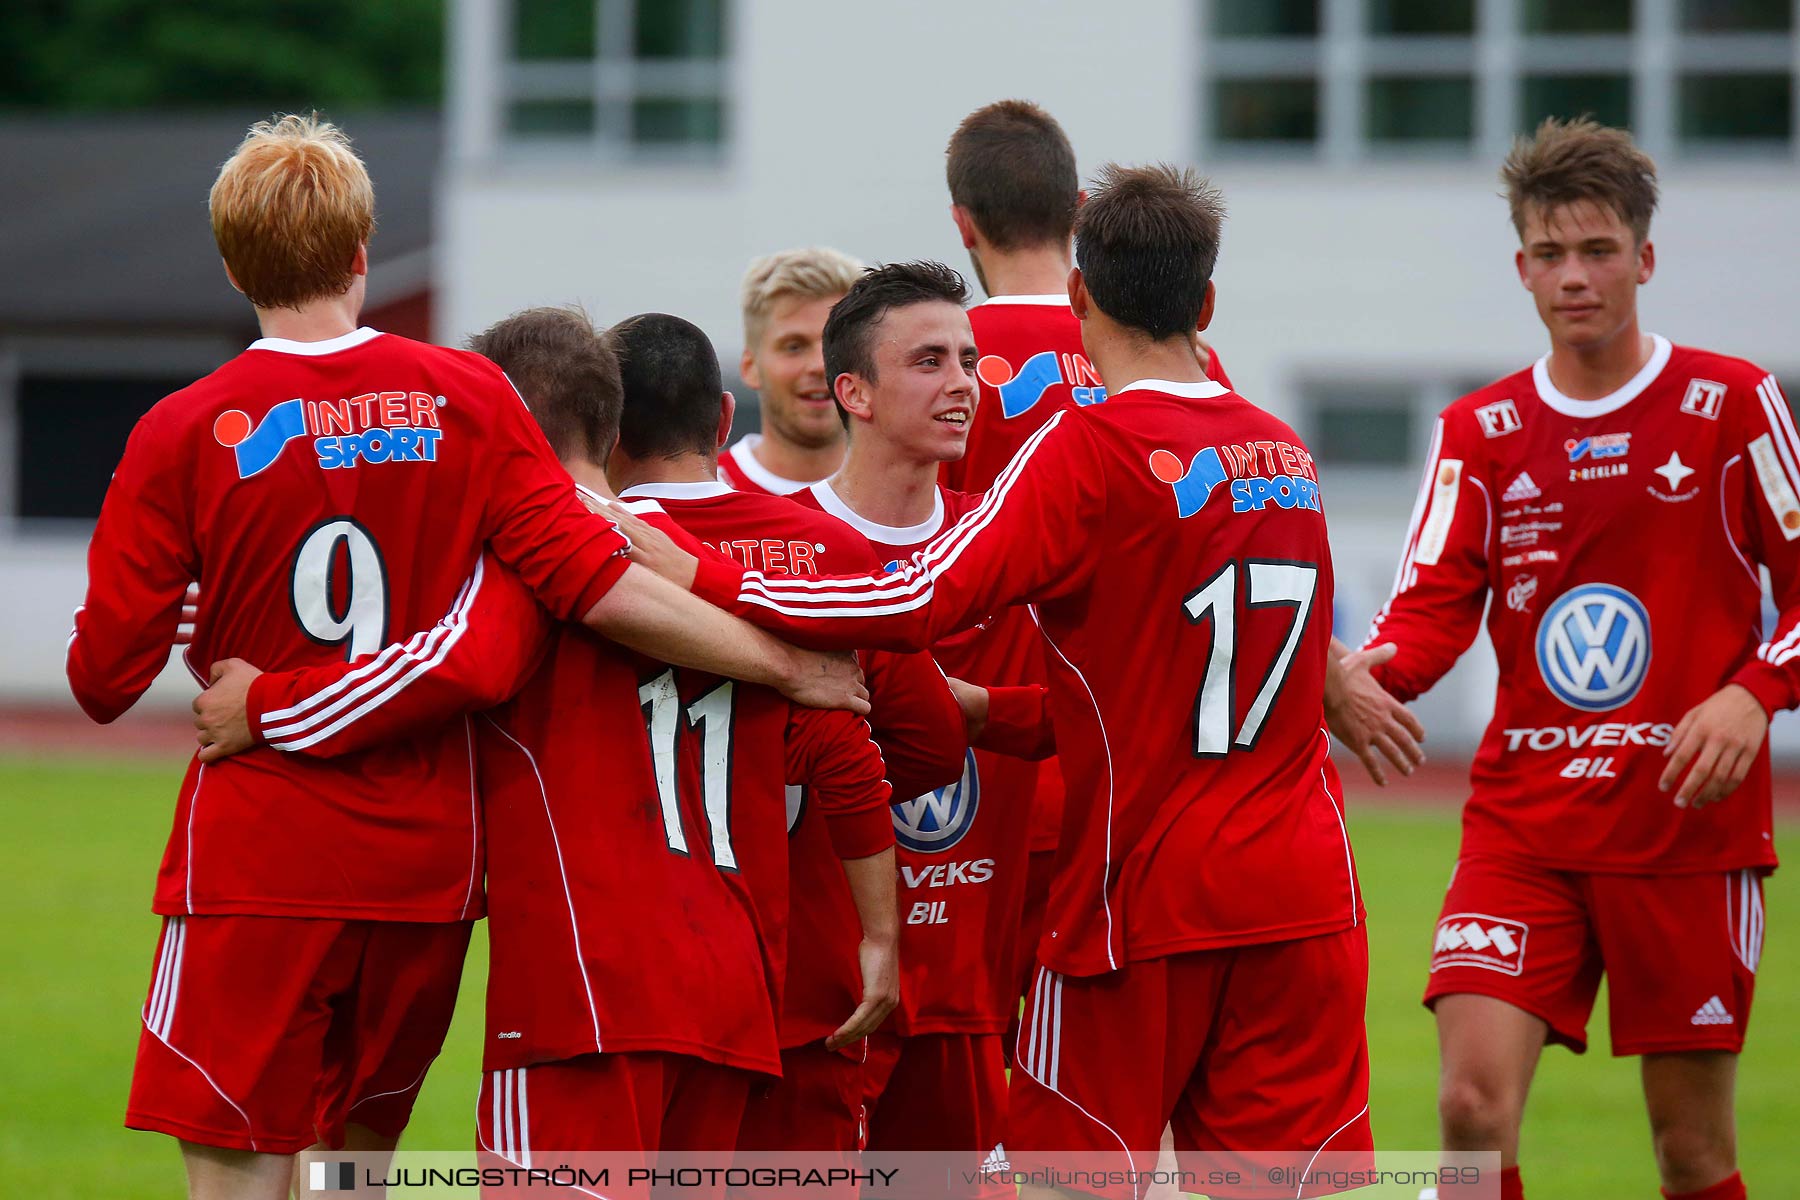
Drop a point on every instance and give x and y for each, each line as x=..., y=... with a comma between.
x=939, y=819
x=1020, y=392
x=1593, y=647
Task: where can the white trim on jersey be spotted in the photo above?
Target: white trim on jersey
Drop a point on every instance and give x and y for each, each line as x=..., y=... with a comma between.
x=1055, y=299
x=743, y=457
x=1338, y=810
x=562, y=870
x=1583, y=409
x=474, y=817
x=891, y=535
x=913, y=585
x=1204, y=389
x=1725, y=526
x=346, y=341
x=1106, y=745
x=1404, y=576
x=395, y=669
x=193, y=807
x=700, y=489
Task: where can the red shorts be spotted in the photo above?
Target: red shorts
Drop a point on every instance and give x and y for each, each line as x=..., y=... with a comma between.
x=937, y=1092
x=1680, y=951
x=816, y=1105
x=272, y=1033
x=1250, y=1049
x=1038, y=871
x=617, y=1108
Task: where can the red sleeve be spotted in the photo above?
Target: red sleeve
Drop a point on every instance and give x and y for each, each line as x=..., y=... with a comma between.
x=831, y=753
x=1017, y=723
x=1441, y=587
x=1771, y=521
x=568, y=556
x=478, y=656
x=140, y=562
x=1025, y=542
x=917, y=722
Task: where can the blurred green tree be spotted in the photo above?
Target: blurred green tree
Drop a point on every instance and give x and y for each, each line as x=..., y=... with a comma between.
x=100, y=55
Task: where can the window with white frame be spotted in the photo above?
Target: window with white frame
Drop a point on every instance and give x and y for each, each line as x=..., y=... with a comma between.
x=643, y=78
x=1343, y=80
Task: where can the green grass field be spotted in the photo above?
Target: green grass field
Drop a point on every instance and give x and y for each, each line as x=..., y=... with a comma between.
x=79, y=862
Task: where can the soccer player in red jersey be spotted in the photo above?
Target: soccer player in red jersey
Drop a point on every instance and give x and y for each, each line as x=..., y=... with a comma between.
x=1619, y=821
x=785, y=299
x=676, y=416
x=1204, y=926
x=409, y=458
x=941, y=1076
x=604, y=1033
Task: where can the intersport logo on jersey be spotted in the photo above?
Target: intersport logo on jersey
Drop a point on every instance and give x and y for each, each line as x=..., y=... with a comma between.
x=1259, y=474
x=375, y=427
x=1020, y=390
x=1593, y=647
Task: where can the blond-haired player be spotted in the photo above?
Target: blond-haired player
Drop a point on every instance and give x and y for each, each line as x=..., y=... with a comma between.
x=786, y=297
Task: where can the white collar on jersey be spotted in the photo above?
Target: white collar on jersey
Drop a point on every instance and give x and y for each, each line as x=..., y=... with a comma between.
x=743, y=456
x=1193, y=391
x=697, y=490
x=888, y=535
x=1540, y=375
x=640, y=506
x=1060, y=298
x=355, y=337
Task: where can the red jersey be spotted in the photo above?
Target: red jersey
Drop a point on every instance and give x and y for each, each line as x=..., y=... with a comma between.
x=1032, y=367
x=329, y=497
x=1173, y=545
x=739, y=470
x=907, y=695
x=961, y=851
x=625, y=949
x=1557, y=507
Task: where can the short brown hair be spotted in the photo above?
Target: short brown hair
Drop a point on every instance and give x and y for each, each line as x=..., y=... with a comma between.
x=1146, y=242
x=289, y=209
x=1568, y=161
x=1012, y=167
x=567, y=373
x=850, y=329
x=811, y=273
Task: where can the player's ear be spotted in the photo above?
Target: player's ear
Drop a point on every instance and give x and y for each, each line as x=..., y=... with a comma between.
x=1646, y=261
x=965, y=225
x=360, y=264
x=1078, y=297
x=727, y=410
x=1206, y=306
x=1519, y=265
x=1080, y=197
x=748, y=372
x=851, y=395
x=230, y=278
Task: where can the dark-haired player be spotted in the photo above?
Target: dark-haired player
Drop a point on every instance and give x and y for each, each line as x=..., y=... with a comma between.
x=1619, y=822
x=675, y=419
x=332, y=488
x=1204, y=928
x=900, y=351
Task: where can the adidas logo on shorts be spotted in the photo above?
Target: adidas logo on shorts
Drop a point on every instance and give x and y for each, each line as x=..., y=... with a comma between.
x=1712, y=1013
x=1522, y=488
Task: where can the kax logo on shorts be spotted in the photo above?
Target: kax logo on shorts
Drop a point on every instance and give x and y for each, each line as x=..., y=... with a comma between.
x=1479, y=940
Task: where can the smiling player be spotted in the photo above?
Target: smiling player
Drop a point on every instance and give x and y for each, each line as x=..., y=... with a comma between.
x=1620, y=815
